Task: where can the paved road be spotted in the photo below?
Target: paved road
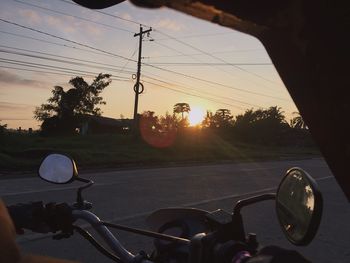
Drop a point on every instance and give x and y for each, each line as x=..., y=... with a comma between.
x=128, y=196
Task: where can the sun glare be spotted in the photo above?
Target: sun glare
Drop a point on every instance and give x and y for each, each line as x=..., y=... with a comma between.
x=196, y=116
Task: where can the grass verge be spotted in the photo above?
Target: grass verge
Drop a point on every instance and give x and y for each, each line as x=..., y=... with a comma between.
x=19, y=153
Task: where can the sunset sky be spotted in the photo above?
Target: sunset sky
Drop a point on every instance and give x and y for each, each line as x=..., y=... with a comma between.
x=189, y=60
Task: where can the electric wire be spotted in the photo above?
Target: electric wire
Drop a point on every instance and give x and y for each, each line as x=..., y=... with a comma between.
x=192, y=64
x=206, y=63
x=149, y=82
x=37, y=39
x=45, y=66
x=184, y=43
x=127, y=62
x=55, y=72
x=208, y=93
x=213, y=82
x=54, y=43
x=64, y=39
x=74, y=16
x=108, y=64
x=194, y=95
x=40, y=71
x=147, y=64
x=214, y=57
x=198, y=35
x=104, y=66
x=187, y=87
x=214, y=52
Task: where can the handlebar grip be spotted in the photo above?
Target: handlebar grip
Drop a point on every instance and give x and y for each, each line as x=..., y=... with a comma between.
x=42, y=218
x=26, y=216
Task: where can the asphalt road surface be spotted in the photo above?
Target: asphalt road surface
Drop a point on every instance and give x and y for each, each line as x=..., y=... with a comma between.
x=127, y=197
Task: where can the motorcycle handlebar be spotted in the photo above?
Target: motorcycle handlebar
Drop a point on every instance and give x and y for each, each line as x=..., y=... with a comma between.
x=42, y=218
x=54, y=217
x=26, y=216
x=104, y=232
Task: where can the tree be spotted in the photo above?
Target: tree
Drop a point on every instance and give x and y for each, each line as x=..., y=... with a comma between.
x=271, y=116
x=158, y=132
x=262, y=125
x=297, y=122
x=223, y=117
x=3, y=128
x=182, y=107
x=168, y=122
x=65, y=108
x=224, y=113
x=208, y=120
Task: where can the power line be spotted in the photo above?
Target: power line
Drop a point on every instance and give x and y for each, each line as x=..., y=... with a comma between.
x=213, y=82
x=173, y=49
x=130, y=59
x=111, y=67
x=45, y=67
x=198, y=35
x=37, y=39
x=64, y=39
x=208, y=64
x=77, y=17
x=153, y=66
x=53, y=72
x=212, y=56
x=127, y=62
x=194, y=58
x=208, y=93
x=48, y=66
x=53, y=43
x=194, y=95
x=16, y=119
x=34, y=65
x=186, y=86
x=215, y=52
x=98, y=53
x=184, y=43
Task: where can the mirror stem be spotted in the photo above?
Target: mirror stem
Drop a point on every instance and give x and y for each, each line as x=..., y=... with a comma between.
x=252, y=200
x=81, y=203
x=84, y=180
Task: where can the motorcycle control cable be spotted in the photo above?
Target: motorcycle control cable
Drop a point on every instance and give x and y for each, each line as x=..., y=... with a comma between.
x=147, y=233
x=96, y=244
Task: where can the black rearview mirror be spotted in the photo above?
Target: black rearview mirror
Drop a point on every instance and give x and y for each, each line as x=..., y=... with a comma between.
x=58, y=169
x=299, y=206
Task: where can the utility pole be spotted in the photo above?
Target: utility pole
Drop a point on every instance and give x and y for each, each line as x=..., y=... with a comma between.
x=138, y=85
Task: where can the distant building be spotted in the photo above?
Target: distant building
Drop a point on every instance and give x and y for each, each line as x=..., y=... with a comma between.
x=99, y=125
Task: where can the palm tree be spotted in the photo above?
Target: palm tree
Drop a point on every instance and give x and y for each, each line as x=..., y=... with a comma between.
x=182, y=107
x=222, y=118
x=298, y=121
x=224, y=113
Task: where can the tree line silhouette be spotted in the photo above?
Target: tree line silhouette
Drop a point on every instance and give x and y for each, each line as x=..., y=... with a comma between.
x=261, y=126
x=66, y=111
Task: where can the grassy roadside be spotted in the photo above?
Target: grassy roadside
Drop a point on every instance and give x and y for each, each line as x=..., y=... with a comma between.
x=24, y=152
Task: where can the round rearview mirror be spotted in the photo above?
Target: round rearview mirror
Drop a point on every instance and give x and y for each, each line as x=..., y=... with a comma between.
x=58, y=169
x=299, y=206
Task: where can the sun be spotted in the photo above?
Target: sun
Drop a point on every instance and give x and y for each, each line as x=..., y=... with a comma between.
x=196, y=116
